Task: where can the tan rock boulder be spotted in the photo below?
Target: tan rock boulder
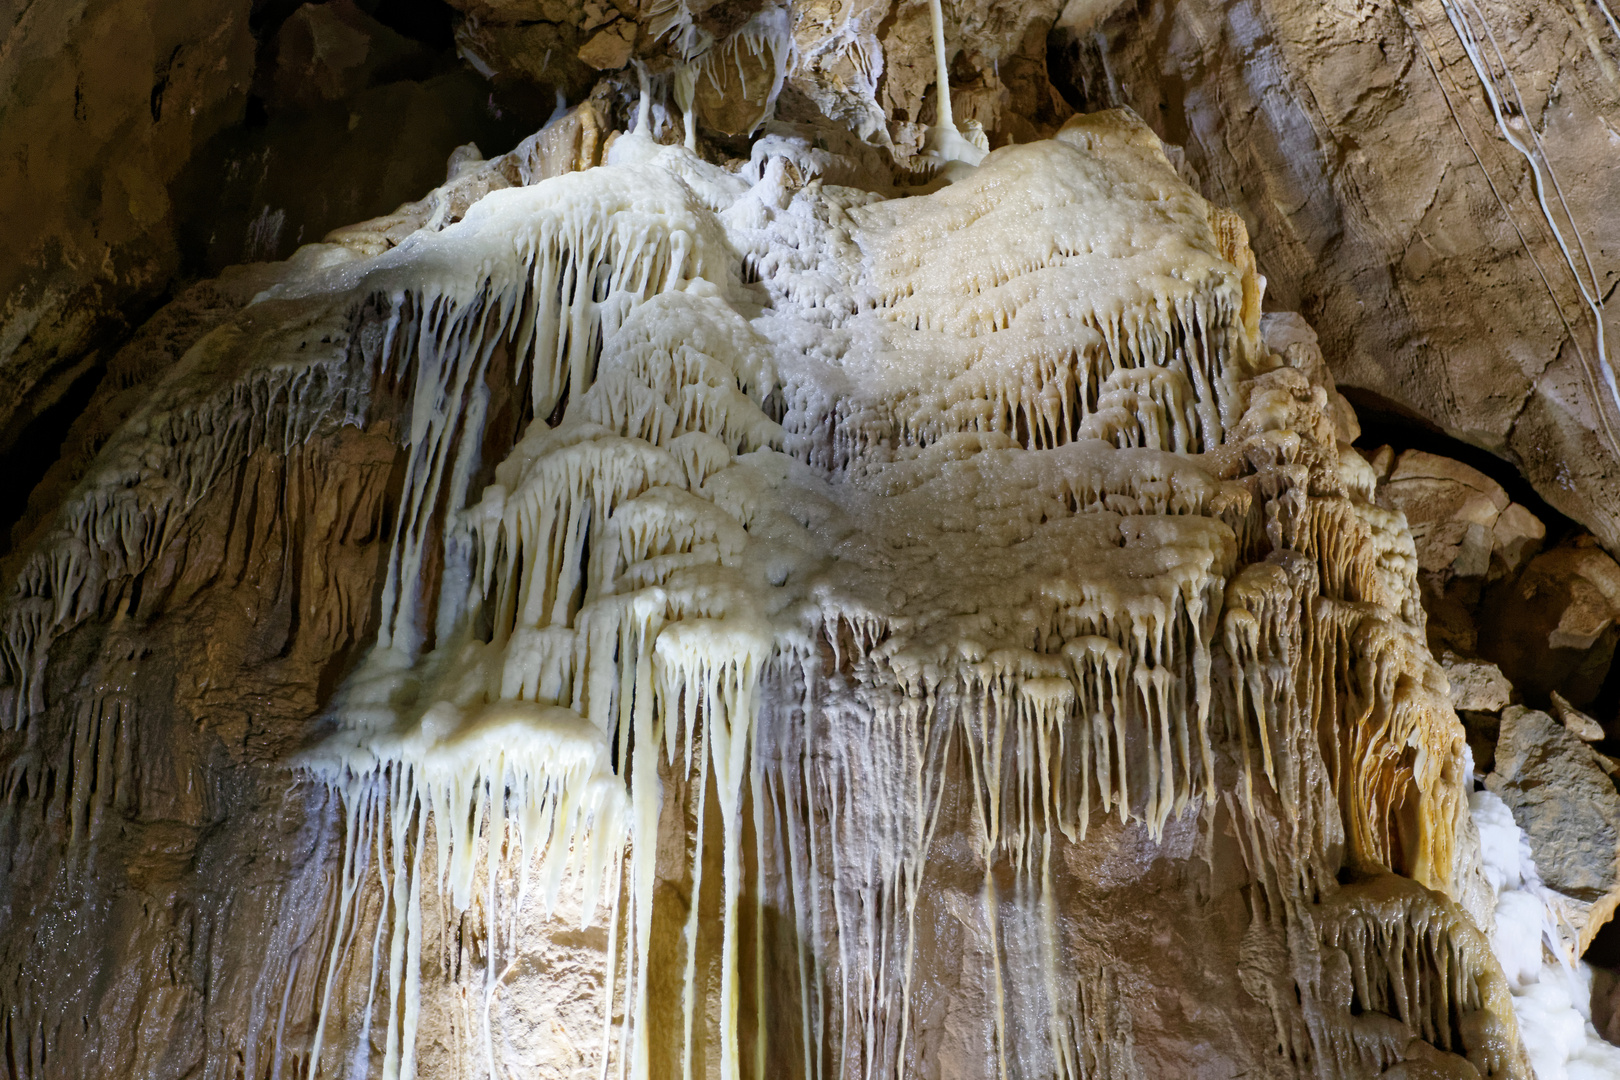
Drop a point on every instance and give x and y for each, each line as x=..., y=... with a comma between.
x=1583, y=726
x=1517, y=535
x=1476, y=685
x=1452, y=508
x=1568, y=808
x=609, y=49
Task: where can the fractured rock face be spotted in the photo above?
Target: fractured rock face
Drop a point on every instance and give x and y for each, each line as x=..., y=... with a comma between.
x=1476, y=685
x=1553, y=627
x=1568, y=807
x=1452, y=509
x=1430, y=184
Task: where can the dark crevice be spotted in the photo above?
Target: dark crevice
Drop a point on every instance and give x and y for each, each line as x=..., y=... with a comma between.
x=431, y=22
x=40, y=444
x=1386, y=423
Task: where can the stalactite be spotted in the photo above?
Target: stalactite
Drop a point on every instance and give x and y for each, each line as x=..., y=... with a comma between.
x=837, y=532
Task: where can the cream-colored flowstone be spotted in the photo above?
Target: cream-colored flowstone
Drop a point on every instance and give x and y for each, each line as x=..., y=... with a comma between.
x=869, y=573
x=829, y=503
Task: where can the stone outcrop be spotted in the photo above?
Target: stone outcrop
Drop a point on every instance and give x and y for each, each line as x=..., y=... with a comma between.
x=1582, y=726
x=1569, y=809
x=1431, y=185
x=1476, y=685
x=1461, y=519
x=1500, y=611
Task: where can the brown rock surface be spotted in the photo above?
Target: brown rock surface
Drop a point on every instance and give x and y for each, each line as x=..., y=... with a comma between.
x=1567, y=806
x=1451, y=508
x=1390, y=209
x=102, y=103
x=1476, y=685
x=1553, y=627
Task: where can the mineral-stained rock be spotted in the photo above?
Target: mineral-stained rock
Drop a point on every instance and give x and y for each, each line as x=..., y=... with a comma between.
x=1568, y=807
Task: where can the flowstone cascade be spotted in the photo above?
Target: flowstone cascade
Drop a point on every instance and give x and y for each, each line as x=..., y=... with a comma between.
x=831, y=632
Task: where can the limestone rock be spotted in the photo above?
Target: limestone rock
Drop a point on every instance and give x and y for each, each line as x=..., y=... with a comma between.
x=1290, y=336
x=543, y=53
x=1553, y=627
x=1582, y=726
x=609, y=49
x=733, y=90
x=1452, y=510
x=331, y=51
x=1517, y=535
x=1359, y=144
x=312, y=427
x=1606, y=1003
x=1568, y=807
x=103, y=105
x=245, y=494
x=1476, y=685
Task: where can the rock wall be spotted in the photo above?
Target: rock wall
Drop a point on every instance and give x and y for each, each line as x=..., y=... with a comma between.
x=1411, y=173
x=1431, y=185
x=104, y=103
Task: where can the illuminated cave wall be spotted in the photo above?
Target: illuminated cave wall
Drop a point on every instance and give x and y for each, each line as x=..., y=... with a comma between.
x=668, y=606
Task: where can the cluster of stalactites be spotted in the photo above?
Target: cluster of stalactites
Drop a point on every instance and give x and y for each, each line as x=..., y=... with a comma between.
x=530, y=281
x=592, y=590
x=1338, y=603
x=150, y=475
x=1114, y=304
x=1011, y=557
x=764, y=41
x=1392, y=949
x=451, y=782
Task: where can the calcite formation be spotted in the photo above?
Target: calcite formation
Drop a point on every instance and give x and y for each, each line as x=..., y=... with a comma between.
x=782, y=628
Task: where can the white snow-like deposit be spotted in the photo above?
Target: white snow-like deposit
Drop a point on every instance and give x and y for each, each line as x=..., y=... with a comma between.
x=1551, y=987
